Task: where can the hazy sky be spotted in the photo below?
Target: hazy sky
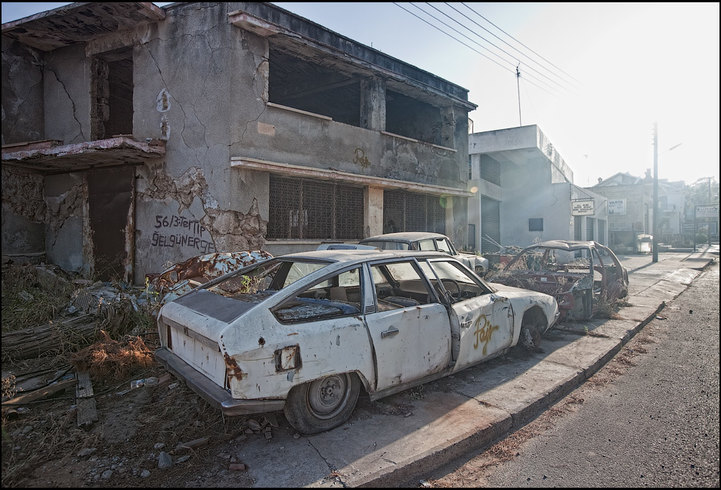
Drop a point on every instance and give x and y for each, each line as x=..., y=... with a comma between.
x=594, y=76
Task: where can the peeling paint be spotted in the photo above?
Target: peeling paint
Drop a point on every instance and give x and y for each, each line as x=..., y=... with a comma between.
x=163, y=101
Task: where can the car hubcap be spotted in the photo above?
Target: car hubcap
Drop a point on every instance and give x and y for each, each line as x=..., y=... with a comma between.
x=327, y=396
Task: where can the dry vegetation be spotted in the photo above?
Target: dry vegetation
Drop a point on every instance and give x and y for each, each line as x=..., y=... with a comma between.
x=44, y=346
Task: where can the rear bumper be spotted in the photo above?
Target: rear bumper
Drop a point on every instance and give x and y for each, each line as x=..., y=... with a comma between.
x=211, y=392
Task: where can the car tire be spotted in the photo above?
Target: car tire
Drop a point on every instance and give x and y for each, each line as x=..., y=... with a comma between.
x=322, y=404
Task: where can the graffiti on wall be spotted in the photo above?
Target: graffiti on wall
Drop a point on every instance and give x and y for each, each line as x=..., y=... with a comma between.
x=179, y=231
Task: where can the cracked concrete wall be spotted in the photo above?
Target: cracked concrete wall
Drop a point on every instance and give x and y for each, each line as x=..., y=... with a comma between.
x=23, y=212
x=22, y=93
x=67, y=95
x=67, y=242
x=201, y=84
x=185, y=78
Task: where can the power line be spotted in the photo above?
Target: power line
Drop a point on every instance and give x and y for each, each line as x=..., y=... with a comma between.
x=455, y=30
x=511, y=46
x=489, y=42
x=466, y=45
x=456, y=39
x=519, y=42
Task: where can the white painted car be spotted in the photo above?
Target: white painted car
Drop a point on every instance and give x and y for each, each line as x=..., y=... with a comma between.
x=426, y=240
x=305, y=332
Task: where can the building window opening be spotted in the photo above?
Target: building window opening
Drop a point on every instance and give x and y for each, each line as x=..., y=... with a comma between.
x=535, y=224
x=409, y=211
x=310, y=209
x=308, y=86
x=413, y=118
x=112, y=94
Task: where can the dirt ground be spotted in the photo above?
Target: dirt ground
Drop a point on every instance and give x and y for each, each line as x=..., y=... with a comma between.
x=158, y=435
x=43, y=446
x=136, y=431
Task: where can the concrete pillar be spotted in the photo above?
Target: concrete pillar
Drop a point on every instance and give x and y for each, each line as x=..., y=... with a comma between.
x=373, y=104
x=373, y=212
x=451, y=222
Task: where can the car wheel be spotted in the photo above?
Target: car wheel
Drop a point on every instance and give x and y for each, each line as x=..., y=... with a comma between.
x=322, y=404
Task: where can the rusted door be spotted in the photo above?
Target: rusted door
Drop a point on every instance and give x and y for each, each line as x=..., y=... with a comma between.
x=110, y=193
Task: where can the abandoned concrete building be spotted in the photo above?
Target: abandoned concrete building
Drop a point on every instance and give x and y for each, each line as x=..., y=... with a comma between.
x=630, y=205
x=524, y=192
x=136, y=136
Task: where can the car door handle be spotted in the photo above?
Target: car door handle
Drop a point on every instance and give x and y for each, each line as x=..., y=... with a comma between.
x=387, y=333
x=466, y=324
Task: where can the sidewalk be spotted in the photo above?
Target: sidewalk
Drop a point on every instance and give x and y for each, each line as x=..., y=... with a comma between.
x=406, y=436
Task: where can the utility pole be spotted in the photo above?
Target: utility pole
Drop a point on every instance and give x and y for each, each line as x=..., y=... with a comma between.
x=518, y=87
x=655, y=193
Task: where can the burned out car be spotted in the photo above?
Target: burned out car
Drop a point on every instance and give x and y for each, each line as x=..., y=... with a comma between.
x=423, y=240
x=305, y=332
x=579, y=274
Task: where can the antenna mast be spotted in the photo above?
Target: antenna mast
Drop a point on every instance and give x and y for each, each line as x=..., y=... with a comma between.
x=518, y=86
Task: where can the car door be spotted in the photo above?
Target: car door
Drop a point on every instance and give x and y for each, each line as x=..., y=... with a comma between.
x=409, y=327
x=484, y=317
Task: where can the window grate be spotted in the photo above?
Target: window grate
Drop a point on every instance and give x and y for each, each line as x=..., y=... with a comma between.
x=302, y=208
x=408, y=211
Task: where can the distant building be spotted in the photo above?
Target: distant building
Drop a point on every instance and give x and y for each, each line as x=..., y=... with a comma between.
x=136, y=136
x=523, y=192
x=630, y=209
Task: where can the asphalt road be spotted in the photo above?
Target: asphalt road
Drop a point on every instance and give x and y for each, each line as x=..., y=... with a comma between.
x=650, y=417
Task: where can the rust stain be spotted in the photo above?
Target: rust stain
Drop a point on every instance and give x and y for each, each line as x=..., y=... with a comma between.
x=205, y=267
x=234, y=370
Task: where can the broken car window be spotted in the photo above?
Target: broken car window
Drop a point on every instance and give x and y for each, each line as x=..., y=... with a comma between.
x=399, y=285
x=337, y=296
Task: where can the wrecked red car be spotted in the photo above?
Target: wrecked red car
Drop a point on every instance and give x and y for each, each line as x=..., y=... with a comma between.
x=581, y=275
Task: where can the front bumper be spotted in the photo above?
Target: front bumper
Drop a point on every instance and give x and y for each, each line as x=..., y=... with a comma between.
x=211, y=392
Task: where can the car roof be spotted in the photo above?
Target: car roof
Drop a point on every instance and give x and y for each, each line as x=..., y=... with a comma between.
x=404, y=236
x=564, y=244
x=359, y=255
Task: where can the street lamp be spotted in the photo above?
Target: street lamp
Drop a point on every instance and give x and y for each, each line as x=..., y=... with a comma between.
x=655, y=190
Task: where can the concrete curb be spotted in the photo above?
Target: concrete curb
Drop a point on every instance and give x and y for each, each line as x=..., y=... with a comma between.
x=399, y=439
x=479, y=440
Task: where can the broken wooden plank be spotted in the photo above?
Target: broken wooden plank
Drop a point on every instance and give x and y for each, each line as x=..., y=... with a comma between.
x=85, y=400
x=193, y=444
x=84, y=388
x=30, y=342
x=86, y=410
x=41, y=392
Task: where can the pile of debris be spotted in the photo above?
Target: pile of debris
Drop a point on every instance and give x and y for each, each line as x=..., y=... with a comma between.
x=99, y=327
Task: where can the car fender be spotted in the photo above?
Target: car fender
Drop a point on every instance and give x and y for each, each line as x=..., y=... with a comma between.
x=286, y=355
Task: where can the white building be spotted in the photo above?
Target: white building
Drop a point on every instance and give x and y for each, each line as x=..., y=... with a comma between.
x=523, y=192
